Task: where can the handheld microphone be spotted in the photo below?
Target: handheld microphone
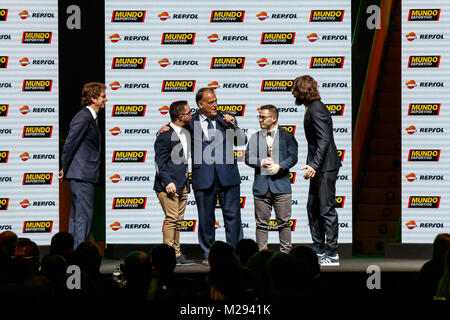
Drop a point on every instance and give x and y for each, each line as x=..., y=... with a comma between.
x=231, y=113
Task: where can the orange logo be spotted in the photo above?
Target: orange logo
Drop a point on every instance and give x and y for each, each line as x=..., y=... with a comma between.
x=25, y=203
x=213, y=85
x=411, y=36
x=24, y=62
x=262, y=16
x=164, y=62
x=262, y=62
x=164, y=110
x=163, y=16
x=24, y=14
x=115, y=37
x=312, y=37
x=411, y=84
x=25, y=156
x=24, y=110
x=411, y=225
x=115, y=85
x=115, y=226
x=115, y=131
x=411, y=130
x=115, y=178
x=213, y=38
x=411, y=177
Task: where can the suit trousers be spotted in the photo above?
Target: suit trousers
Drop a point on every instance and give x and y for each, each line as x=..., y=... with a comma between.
x=173, y=207
x=282, y=205
x=322, y=215
x=229, y=198
x=82, y=210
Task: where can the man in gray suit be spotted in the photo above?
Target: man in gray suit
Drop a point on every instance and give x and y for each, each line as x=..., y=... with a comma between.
x=272, y=151
x=81, y=160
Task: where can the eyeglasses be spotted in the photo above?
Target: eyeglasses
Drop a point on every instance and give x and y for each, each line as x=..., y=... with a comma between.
x=185, y=114
x=263, y=117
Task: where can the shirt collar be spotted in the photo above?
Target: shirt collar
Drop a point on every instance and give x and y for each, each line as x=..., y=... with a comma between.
x=94, y=114
x=274, y=132
x=203, y=117
x=176, y=128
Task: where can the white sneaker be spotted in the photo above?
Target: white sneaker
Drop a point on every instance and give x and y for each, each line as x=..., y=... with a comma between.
x=329, y=260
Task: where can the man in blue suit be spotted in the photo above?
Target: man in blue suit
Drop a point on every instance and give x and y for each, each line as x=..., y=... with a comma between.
x=272, y=151
x=81, y=160
x=215, y=173
x=172, y=149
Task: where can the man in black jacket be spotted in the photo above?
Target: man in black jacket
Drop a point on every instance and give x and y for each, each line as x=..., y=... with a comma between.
x=321, y=169
x=171, y=180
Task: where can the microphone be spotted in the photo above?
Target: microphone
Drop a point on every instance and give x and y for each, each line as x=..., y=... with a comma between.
x=231, y=113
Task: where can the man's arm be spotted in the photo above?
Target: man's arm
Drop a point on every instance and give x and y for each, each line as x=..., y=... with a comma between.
x=162, y=156
x=319, y=120
x=292, y=157
x=251, y=153
x=77, y=132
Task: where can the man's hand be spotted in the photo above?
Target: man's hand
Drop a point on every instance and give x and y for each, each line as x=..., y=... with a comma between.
x=274, y=168
x=171, y=189
x=164, y=128
x=267, y=162
x=228, y=118
x=310, y=172
x=61, y=174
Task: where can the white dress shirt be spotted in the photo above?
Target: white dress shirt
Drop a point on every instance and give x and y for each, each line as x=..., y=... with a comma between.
x=204, y=124
x=94, y=114
x=181, y=133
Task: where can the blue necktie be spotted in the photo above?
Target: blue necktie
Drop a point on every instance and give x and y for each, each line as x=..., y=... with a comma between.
x=210, y=129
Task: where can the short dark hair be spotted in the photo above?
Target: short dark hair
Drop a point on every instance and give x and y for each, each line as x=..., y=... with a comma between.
x=200, y=92
x=91, y=90
x=177, y=108
x=272, y=109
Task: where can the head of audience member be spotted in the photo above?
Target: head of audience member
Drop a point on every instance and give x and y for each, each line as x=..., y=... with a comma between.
x=137, y=269
x=440, y=246
x=268, y=117
x=180, y=113
x=54, y=267
x=207, y=102
x=245, y=249
x=308, y=267
x=25, y=262
x=305, y=91
x=257, y=265
x=62, y=244
x=87, y=256
x=8, y=240
x=282, y=272
x=164, y=261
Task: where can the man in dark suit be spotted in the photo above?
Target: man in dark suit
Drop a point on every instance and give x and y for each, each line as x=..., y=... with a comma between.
x=272, y=151
x=81, y=160
x=171, y=180
x=321, y=169
x=215, y=172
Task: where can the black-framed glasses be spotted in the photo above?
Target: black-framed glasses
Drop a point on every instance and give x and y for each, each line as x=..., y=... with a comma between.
x=263, y=117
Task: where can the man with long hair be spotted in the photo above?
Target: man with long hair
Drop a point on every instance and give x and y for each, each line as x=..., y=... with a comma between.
x=322, y=167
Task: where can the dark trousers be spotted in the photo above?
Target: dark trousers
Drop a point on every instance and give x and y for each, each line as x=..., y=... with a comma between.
x=229, y=198
x=322, y=215
x=82, y=210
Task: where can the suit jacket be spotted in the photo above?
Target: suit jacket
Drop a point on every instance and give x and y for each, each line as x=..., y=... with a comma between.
x=168, y=171
x=203, y=167
x=81, y=152
x=318, y=125
x=285, y=149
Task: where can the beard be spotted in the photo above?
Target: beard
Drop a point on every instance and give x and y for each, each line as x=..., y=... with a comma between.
x=298, y=101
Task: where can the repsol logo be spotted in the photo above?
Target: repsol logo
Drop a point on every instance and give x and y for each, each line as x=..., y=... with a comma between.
x=340, y=130
x=4, y=156
x=334, y=85
x=129, y=226
x=430, y=84
x=411, y=177
x=3, y=62
x=277, y=38
x=342, y=177
x=3, y=14
x=282, y=109
x=129, y=131
x=326, y=16
x=178, y=86
x=227, y=63
x=313, y=37
x=5, y=227
x=430, y=36
x=44, y=156
x=235, y=109
x=37, y=131
x=114, y=38
x=273, y=224
x=129, y=203
x=43, y=110
x=128, y=63
x=235, y=85
x=185, y=16
x=129, y=156
x=5, y=131
x=424, y=202
x=4, y=202
x=37, y=227
x=424, y=61
x=5, y=179
x=336, y=109
x=227, y=16
x=341, y=154
x=289, y=128
x=33, y=37
x=114, y=86
x=37, y=179
x=292, y=176
x=128, y=16
x=37, y=85
x=340, y=201
x=424, y=155
x=327, y=63
x=50, y=203
x=5, y=85
x=424, y=109
x=129, y=110
x=178, y=38
x=239, y=155
x=276, y=85
x=5, y=37
x=424, y=14
x=424, y=225
x=233, y=38
x=284, y=62
x=4, y=110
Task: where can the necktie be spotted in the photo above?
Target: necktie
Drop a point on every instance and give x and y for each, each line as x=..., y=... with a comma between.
x=210, y=130
x=269, y=133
